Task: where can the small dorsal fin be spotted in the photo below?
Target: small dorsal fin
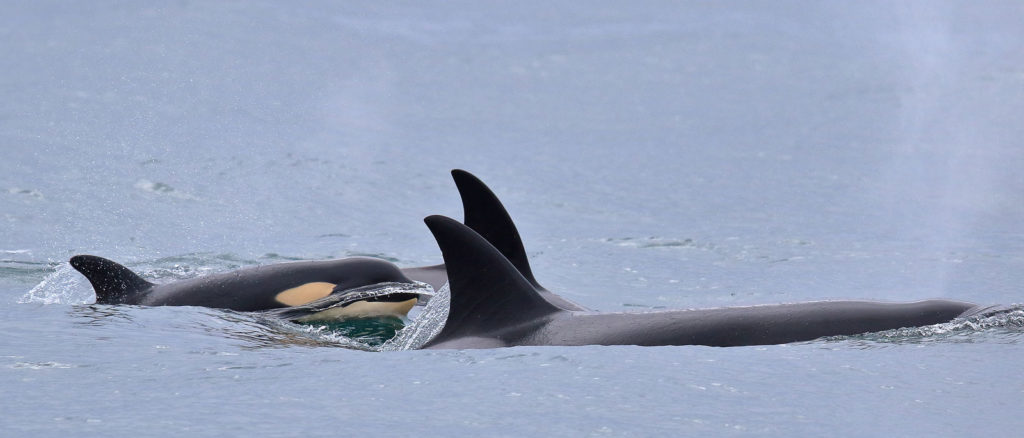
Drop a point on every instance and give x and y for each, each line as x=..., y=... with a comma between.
x=487, y=291
x=113, y=283
x=485, y=214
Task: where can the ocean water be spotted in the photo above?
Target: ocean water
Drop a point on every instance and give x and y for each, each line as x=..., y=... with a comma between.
x=654, y=155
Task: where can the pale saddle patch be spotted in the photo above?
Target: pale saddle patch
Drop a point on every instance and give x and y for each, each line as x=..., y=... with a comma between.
x=305, y=293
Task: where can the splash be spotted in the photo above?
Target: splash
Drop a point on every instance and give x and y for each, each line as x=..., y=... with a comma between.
x=425, y=326
x=63, y=286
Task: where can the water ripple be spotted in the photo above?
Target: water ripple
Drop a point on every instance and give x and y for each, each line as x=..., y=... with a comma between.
x=1004, y=324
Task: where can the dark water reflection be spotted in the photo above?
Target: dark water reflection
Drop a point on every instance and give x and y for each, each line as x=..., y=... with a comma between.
x=253, y=330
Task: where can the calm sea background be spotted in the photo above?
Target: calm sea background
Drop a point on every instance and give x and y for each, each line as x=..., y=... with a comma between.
x=653, y=154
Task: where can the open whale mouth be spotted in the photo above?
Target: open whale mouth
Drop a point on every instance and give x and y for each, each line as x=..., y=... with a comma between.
x=376, y=300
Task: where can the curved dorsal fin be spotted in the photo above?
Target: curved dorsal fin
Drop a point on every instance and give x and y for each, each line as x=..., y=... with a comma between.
x=485, y=214
x=487, y=291
x=113, y=283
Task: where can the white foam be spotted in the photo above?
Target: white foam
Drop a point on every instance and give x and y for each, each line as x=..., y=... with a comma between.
x=63, y=286
x=427, y=324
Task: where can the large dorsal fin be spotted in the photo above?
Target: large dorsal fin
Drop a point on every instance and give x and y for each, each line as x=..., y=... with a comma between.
x=485, y=214
x=487, y=291
x=113, y=283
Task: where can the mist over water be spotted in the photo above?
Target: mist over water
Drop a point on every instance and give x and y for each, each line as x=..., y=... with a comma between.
x=949, y=173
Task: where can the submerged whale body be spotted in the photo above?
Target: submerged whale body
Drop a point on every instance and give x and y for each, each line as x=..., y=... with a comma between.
x=494, y=305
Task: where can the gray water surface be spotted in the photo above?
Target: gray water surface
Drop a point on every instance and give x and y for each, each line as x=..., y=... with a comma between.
x=654, y=155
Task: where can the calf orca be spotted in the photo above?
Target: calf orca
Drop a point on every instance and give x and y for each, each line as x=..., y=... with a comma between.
x=494, y=305
x=257, y=288
x=306, y=285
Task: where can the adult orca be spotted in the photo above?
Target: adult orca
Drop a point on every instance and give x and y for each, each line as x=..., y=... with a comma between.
x=494, y=305
x=306, y=286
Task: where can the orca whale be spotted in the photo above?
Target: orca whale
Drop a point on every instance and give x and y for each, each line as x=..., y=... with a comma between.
x=494, y=305
x=257, y=288
x=317, y=289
